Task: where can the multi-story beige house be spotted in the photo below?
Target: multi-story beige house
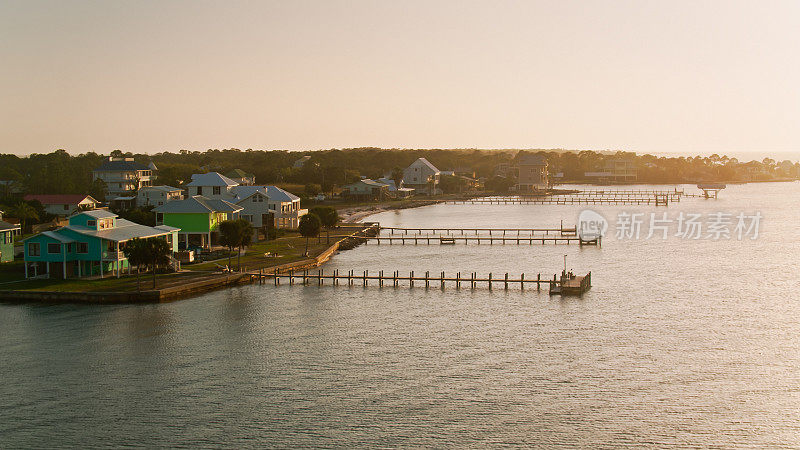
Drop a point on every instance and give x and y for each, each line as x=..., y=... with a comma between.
x=621, y=169
x=124, y=176
x=533, y=173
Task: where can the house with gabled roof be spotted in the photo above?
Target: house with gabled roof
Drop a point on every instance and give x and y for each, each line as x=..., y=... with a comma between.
x=157, y=195
x=197, y=217
x=124, y=176
x=264, y=203
x=366, y=188
x=63, y=205
x=422, y=176
x=211, y=185
x=91, y=244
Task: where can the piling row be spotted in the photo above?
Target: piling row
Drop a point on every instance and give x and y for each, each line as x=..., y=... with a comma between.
x=394, y=279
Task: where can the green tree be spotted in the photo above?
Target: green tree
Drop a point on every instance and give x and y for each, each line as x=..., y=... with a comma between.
x=309, y=227
x=328, y=217
x=244, y=234
x=98, y=190
x=159, y=251
x=154, y=251
x=25, y=213
x=138, y=253
x=228, y=236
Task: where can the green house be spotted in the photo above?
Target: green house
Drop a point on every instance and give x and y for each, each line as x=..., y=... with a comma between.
x=197, y=217
x=92, y=244
x=7, y=231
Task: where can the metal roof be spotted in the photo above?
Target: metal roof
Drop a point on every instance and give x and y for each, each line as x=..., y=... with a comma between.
x=5, y=226
x=211, y=179
x=52, y=235
x=532, y=160
x=277, y=194
x=124, y=231
x=96, y=213
x=197, y=204
x=164, y=188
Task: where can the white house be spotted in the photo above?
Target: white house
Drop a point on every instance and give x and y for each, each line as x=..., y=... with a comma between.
x=124, y=176
x=63, y=205
x=264, y=203
x=422, y=176
x=211, y=185
x=157, y=195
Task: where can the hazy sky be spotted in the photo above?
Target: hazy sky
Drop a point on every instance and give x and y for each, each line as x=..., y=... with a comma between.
x=148, y=76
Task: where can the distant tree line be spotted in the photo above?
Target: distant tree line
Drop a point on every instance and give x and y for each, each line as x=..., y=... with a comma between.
x=61, y=173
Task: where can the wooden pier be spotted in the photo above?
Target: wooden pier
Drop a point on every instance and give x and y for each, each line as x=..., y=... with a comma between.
x=395, y=279
x=570, y=284
x=561, y=231
x=657, y=200
x=486, y=240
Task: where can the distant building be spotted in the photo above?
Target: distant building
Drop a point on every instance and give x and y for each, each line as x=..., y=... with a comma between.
x=301, y=162
x=90, y=245
x=241, y=177
x=366, y=189
x=621, y=169
x=533, y=173
x=157, y=195
x=63, y=205
x=422, y=176
x=124, y=176
x=394, y=191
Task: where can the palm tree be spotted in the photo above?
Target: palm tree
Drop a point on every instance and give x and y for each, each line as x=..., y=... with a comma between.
x=23, y=212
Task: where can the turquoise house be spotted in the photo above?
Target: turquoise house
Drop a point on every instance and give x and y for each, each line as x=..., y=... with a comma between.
x=197, y=217
x=7, y=232
x=92, y=244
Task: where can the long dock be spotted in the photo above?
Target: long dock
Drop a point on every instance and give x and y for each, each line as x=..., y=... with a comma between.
x=491, y=240
x=657, y=200
x=395, y=279
x=561, y=231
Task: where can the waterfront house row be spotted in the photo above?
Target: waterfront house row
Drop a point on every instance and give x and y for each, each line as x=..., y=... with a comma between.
x=92, y=244
x=259, y=203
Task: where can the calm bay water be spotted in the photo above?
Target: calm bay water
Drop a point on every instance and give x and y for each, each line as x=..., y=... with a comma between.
x=680, y=342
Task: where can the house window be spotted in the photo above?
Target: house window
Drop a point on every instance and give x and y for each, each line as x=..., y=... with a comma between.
x=66, y=207
x=53, y=248
x=83, y=247
x=199, y=190
x=160, y=203
x=33, y=249
x=91, y=223
x=248, y=217
x=215, y=190
x=255, y=199
x=160, y=217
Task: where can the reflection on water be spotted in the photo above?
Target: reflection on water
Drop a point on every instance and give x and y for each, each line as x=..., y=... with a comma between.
x=679, y=342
